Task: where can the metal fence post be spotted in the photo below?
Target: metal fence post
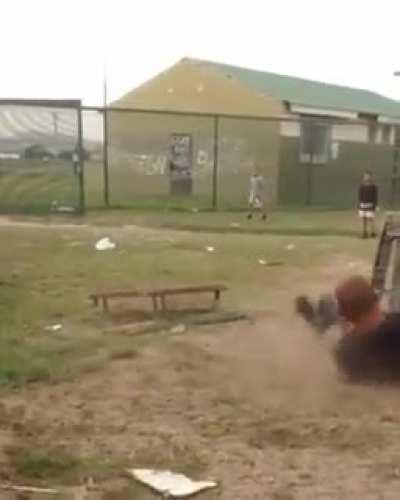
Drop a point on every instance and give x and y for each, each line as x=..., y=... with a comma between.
x=106, y=192
x=395, y=170
x=309, y=195
x=81, y=162
x=215, y=165
x=393, y=187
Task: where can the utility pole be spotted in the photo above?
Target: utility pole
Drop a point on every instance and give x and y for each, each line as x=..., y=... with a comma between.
x=55, y=123
x=396, y=159
x=105, y=139
x=105, y=97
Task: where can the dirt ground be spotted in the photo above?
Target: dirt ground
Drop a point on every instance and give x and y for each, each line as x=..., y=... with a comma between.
x=256, y=405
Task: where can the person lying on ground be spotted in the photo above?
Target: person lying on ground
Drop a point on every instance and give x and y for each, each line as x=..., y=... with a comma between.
x=369, y=347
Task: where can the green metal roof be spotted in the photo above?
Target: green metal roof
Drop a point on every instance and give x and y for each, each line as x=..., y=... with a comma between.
x=308, y=92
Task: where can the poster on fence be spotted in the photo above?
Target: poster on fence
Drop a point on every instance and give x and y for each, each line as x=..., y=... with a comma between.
x=181, y=164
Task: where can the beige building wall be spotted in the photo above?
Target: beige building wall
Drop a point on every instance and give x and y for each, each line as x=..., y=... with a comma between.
x=350, y=133
x=340, y=133
x=290, y=129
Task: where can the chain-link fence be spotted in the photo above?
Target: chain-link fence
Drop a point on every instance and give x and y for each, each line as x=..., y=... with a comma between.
x=40, y=156
x=94, y=164
x=57, y=155
x=160, y=160
x=325, y=168
x=305, y=161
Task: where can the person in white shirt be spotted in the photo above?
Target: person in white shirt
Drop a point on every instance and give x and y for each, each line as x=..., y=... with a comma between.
x=257, y=195
x=75, y=162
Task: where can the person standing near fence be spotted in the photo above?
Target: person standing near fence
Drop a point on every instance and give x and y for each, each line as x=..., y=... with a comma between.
x=368, y=204
x=75, y=162
x=257, y=195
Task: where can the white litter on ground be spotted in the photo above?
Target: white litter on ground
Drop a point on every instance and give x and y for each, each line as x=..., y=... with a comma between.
x=235, y=224
x=53, y=328
x=270, y=263
x=181, y=328
x=169, y=483
x=290, y=247
x=105, y=244
x=210, y=249
x=61, y=208
x=66, y=209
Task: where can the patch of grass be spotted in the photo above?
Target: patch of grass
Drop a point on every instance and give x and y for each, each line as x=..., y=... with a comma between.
x=45, y=465
x=49, y=279
x=294, y=222
x=9, y=375
x=33, y=186
x=172, y=454
x=14, y=372
x=32, y=362
x=49, y=465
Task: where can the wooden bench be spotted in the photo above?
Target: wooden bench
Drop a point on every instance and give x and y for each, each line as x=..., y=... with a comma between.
x=156, y=295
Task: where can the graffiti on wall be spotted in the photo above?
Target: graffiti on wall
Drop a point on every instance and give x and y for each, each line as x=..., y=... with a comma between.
x=180, y=164
x=157, y=164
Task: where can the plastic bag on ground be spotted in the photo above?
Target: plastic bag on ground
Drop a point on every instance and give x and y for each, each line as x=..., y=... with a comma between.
x=105, y=244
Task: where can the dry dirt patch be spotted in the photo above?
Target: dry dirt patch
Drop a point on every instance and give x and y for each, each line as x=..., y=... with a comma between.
x=258, y=407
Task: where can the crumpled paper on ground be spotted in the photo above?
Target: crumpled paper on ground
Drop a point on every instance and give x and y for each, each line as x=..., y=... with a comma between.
x=169, y=483
x=105, y=244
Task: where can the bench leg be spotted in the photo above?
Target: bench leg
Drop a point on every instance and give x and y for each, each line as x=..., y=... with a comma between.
x=95, y=301
x=217, y=297
x=163, y=303
x=155, y=305
x=105, y=305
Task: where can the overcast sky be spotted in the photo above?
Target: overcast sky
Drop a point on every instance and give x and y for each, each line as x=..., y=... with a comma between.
x=57, y=48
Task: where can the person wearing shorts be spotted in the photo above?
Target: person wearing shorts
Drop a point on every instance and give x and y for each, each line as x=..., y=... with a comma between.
x=256, y=196
x=367, y=204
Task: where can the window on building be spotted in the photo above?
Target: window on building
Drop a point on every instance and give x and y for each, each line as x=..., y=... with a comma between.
x=315, y=142
x=372, y=133
x=386, y=134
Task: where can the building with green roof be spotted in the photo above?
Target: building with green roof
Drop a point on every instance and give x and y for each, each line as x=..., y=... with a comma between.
x=326, y=135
